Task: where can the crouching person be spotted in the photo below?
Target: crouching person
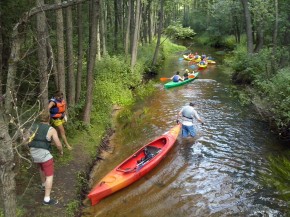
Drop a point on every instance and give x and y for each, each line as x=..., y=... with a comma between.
x=40, y=146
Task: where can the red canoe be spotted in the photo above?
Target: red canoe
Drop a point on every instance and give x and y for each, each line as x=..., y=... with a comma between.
x=135, y=167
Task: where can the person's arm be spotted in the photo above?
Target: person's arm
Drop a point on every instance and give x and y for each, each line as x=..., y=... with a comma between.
x=178, y=116
x=50, y=105
x=56, y=140
x=197, y=117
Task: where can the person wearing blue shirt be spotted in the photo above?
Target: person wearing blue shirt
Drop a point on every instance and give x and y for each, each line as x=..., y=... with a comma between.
x=176, y=77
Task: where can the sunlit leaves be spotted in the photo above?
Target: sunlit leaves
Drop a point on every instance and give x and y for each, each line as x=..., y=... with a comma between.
x=177, y=31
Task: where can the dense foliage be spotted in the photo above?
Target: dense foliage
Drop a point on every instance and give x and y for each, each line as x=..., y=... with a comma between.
x=177, y=31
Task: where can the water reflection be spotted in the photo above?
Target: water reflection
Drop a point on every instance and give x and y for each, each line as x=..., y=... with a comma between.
x=214, y=174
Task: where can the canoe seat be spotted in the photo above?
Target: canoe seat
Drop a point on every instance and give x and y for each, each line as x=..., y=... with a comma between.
x=149, y=152
x=153, y=150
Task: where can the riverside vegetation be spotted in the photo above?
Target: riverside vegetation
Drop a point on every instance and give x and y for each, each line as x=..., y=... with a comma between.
x=117, y=85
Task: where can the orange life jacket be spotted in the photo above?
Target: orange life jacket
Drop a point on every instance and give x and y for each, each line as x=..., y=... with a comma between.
x=57, y=111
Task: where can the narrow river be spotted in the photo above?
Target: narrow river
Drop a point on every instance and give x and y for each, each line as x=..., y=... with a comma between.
x=214, y=174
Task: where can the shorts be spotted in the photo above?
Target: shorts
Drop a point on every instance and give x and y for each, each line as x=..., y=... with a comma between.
x=57, y=122
x=188, y=130
x=47, y=167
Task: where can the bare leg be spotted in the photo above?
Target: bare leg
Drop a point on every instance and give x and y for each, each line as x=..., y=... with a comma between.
x=63, y=136
x=48, y=186
x=42, y=176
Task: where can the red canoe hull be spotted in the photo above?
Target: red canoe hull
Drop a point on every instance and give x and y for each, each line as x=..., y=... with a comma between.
x=135, y=167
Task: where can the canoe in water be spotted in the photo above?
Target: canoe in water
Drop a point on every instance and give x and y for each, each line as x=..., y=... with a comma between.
x=135, y=167
x=176, y=84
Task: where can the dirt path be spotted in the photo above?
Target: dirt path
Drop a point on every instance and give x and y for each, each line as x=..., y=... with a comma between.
x=70, y=182
x=65, y=187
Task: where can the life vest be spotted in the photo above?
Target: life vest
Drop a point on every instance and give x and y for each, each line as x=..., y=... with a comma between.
x=39, y=137
x=57, y=111
x=175, y=78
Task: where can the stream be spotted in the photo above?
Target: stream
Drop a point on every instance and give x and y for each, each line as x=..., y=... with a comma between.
x=214, y=174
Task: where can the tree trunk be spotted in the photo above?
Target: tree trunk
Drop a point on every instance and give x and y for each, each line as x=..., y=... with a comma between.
x=273, y=55
x=149, y=14
x=42, y=55
x=275, y=33
x=7, y=174
x=132, y=25
x=103, y=18
x=91, y=61
x=159, y=33
x=1, y=51
x=80, y=54
x=260, y=39
x=116, y=26
x=144, y=25
x=70, y=62
x=127, y=39
x=51, y=60
x=60, y=49
x=136, y=33
x=98, y=41
x=249, y=31
x=6, y=152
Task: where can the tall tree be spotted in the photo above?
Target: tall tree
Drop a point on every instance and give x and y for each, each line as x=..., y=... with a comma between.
x=149, y=16
x=275, y=33
x=127, y=37
x=70, y=63
x=116, y=26
x=80, y=53
x=159, y=33
x=103, y=32
x=1, y=51
x=249, y=30
x=91, y=60
x=60, y=49
x=136, y=34
x=42, y=54
x=7, y=175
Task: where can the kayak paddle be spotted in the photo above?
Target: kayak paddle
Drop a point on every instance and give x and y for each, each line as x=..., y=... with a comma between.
x=164, y=79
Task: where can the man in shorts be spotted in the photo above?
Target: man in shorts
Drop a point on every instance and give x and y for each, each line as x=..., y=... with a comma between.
x=40, y=146
x=188, y=114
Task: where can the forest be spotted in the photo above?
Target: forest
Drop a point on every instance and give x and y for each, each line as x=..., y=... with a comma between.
x=102, y=54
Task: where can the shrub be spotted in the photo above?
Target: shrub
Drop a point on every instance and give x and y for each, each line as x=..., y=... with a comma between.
x=176, y=31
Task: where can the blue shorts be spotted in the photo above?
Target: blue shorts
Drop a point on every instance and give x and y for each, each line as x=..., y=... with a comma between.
x=188, y=130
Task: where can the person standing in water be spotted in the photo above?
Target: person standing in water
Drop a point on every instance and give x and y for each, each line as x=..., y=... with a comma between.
x=187, y=115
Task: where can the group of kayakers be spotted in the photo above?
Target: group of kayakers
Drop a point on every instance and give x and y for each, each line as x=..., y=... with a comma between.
x=202, y=60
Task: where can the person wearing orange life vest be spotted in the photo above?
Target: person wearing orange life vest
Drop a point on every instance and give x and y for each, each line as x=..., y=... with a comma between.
x=57, y=108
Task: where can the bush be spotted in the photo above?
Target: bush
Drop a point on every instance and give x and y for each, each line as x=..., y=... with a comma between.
x=176, y=31
x=248, y=67
x=277, y=91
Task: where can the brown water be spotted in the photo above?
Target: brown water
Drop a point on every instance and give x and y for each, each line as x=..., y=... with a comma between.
x=215, y=174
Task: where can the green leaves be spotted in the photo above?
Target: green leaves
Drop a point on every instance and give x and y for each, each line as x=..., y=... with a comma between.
x=178, y=32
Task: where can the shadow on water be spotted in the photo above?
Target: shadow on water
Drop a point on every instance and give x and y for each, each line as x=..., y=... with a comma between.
x=214, y=174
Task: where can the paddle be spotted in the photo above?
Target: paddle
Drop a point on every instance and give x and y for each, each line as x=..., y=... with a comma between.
x=164, y=79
